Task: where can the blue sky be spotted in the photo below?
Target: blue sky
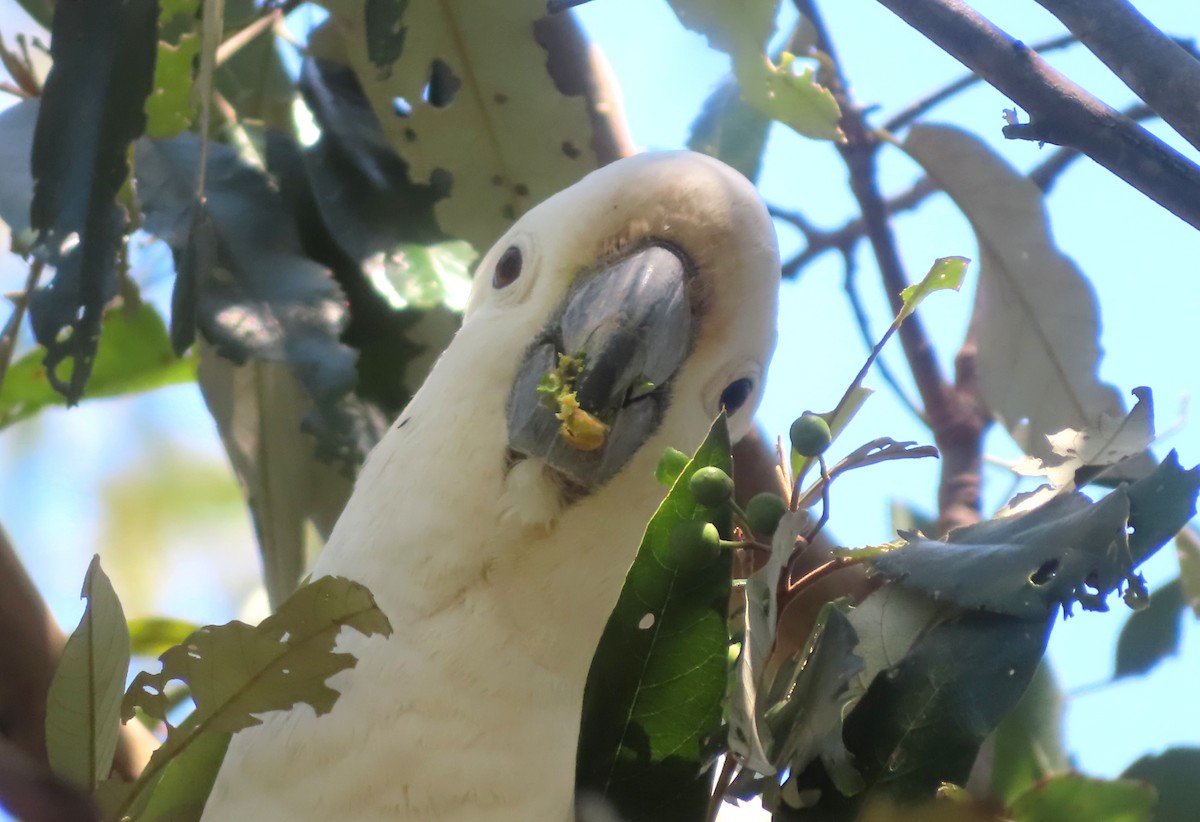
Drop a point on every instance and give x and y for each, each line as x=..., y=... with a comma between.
x=60, y=474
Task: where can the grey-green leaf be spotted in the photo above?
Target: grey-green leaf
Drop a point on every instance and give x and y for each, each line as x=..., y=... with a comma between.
x=83, y=707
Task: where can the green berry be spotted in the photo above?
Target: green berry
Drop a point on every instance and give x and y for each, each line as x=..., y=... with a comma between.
x=670, y=466
x=711, y=486
x=810, y=435
x=764, y=511
x=694, y=545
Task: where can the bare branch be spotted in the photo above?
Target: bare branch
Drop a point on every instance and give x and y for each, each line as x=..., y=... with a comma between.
x=1061, y=112
x=1153, y=65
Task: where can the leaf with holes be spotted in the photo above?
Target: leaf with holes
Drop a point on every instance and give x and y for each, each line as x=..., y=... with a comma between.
x=254, y=293
x=658, y=678
x=91, y=111
x=468, y=104
x=83, y=706
x=171, y=106
x=1068, y=550
x=134, y=356
x=236, y=671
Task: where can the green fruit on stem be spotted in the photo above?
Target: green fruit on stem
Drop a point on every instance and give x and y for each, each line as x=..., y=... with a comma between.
x=694, y=545
x=711, y=486
x=810, y=435
x=764, y=511
x=670, y=466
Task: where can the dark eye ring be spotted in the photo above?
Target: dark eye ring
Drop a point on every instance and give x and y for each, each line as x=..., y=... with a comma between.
x=508, y=268
x=736, y=393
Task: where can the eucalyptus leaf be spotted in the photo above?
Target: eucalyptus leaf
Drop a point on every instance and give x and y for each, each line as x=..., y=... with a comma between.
x=83, y=706
x=1068, y=550
x=507, y=139
x=658, y=678
x=235, y=671
x=91, y=112
x=134, y=355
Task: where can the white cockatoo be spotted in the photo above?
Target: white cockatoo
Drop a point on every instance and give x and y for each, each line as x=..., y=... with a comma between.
x=494, y=541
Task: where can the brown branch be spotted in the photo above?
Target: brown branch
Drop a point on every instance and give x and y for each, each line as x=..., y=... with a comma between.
x=12, y=326
x=30, y=645
x=1060, y=112
x=1153, y=65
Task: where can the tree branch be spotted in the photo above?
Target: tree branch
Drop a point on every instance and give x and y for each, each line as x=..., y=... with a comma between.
x=1060, y=112
x=1153, y=65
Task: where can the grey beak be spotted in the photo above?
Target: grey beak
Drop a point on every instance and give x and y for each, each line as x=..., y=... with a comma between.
x=631, y=321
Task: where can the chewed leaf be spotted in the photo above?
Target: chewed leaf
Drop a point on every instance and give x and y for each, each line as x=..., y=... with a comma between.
x=1068, y=550
x=236, y=671
x=83, y=704
x=1082, y=456
x=945, y=273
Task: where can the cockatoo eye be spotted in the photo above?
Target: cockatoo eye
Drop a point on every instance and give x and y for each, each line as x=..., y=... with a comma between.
x=508, y=268
x=736, y=393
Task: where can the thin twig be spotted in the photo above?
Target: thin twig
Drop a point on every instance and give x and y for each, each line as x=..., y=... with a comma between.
x=724, y=780
x=12, y=328
x=240, y=39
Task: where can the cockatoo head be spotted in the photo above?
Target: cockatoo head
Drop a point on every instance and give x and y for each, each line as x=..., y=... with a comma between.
x=661, y=276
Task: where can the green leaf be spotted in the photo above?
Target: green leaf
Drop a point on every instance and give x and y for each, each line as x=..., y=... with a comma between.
x=171, y=106
x=501, y=130
x=256, y=294
x=151, y=636
x=1173, y=775
x=1076, y=798
x=1028, y=745
x=425, y=276
x=730, y=130
x=180, y=794
x=945, y=273
x=1187, y=548
x=922, y=721
x=741, y=30
x=1068, y=550
x=134, y=356
x=1152, y=634
x=92, y=109
x=658, y=678
x=235, y=671
x=83, y=706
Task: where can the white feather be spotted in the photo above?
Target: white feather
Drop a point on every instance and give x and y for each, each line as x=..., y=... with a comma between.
x=496, y=591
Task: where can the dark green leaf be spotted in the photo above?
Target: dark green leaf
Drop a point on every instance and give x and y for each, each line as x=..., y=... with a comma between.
x=658, y=678
x=1067, y=550
x=1028, y=745
x=257, y=296
x=731, y=130
x=1077, y=798
x=83, y=707
x=1151, y=634
x=134, y=356
x=1173, y=773
x=235, y=671
x=91, y=111
x=921, y=722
